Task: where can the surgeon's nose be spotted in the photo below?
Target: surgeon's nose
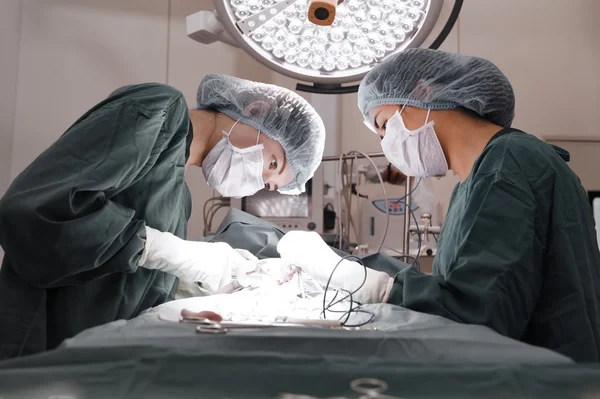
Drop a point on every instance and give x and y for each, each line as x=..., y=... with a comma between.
x=270, y=186
x=270, y=179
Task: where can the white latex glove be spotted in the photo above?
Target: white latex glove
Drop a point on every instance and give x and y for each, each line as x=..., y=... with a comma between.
x=308, y=251
x=211, y=264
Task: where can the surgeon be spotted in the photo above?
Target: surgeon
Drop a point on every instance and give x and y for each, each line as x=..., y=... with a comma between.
x=94, y=229
x=518, y=250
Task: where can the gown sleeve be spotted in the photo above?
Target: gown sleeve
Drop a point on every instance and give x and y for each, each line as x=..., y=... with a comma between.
x=58, y=223
x=492, y=275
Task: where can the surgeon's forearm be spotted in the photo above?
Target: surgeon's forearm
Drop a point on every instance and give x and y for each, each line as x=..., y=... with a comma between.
x=426, y=293
x=191, y=261
x=164, y=251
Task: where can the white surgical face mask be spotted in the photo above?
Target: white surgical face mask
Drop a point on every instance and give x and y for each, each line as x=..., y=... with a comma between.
x=415, y=153
x=232, y=171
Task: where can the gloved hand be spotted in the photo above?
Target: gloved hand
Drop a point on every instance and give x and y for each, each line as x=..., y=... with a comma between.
x=308, y=251
x=211, y=264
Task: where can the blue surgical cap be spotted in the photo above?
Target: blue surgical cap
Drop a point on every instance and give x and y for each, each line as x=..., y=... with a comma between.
x=437, y=80
x=277, y=112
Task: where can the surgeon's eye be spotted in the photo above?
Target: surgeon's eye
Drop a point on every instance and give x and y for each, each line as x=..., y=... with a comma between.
x=267, y=187
x=273, y=164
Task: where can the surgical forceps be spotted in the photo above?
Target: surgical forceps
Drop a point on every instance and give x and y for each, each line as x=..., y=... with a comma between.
x=214, y=327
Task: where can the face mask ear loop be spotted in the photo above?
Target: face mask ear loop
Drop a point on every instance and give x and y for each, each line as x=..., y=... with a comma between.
x=257, y=138
x=231, y=130
x=427, y=117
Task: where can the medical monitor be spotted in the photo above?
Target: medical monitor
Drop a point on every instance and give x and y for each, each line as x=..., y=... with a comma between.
x=290, y=212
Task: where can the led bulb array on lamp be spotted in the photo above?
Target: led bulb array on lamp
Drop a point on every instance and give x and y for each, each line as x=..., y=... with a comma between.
x=362, y=34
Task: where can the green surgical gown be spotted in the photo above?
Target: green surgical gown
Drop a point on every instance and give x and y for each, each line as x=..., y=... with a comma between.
x=518, y=251
x=72, y=224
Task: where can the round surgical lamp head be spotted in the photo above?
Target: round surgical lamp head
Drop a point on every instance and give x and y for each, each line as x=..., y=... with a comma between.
x=279, y=34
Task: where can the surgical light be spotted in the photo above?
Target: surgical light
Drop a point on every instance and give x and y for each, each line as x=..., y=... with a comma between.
x=279, y=34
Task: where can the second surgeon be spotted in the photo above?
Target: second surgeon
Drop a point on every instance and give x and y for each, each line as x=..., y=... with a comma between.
x=518, y=250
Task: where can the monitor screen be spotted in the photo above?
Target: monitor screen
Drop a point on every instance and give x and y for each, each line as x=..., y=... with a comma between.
x=272, y=205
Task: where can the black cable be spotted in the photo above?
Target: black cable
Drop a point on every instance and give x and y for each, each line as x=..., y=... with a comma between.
x=216, y=209
x=411, y=191
x=205, y=211
x=359, y=310
x=401, y=256
x=212, y=211
x=212, y=199
x=346, y=313
x=415, y=260
x=352, y=309
x=358, y=260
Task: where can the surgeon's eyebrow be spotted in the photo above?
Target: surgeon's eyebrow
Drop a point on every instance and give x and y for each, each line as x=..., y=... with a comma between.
x=375, y=121
x=284, y=163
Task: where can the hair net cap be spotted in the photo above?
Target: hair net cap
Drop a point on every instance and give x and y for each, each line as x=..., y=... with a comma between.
x=438, y=80
x=277, y=112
